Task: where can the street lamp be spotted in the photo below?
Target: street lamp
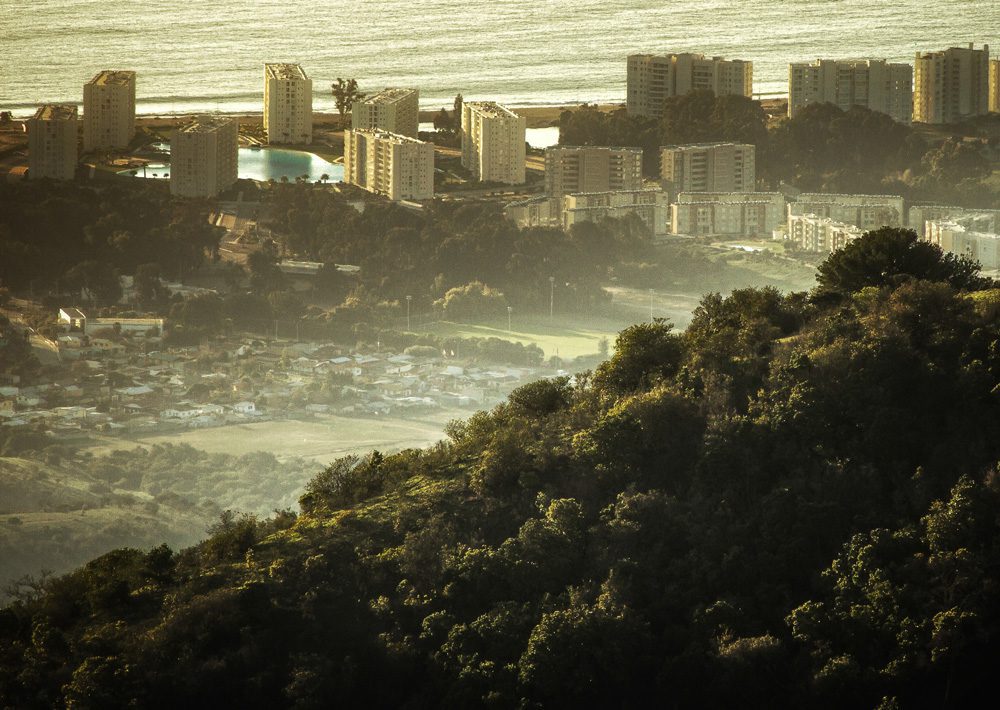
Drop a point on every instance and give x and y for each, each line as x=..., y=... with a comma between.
x=509, y=309
x=408, y=299
x=552, y=296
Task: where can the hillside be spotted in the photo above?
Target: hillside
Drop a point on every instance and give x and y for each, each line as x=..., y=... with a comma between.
x=794, y=503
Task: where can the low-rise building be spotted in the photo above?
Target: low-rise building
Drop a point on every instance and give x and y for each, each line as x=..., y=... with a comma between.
x=540, y=211
x=204, y=157
x=392, y=110
x=576, y=169
x=919, y=215
x=708, y=167
x=865, y=211
x=399, y=167
x=813, y=233
x=744, y=214
x=967, y=237
x=52, y=142
x=650, y=206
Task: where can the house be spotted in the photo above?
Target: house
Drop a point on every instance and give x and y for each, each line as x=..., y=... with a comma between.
x=247, y=408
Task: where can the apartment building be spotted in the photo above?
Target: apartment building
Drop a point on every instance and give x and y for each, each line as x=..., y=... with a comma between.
x=538, y=211
x=570, y=169
x=493, y=144
x=994, y=100
x=109, y=111
x=390, y=110
x=650, y=206
x=204, y=157
x=866, y=212
x=966, y=237
x=708, y=167
x=813, y=233
x=744, y=214
x=52, y=142
x=919, y=215
x=873, y=83
x=288, y=96
x=951, y=85
x=653, y=78
x=399, y=167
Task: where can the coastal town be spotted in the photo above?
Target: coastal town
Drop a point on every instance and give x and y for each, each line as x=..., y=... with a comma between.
x=118, y=375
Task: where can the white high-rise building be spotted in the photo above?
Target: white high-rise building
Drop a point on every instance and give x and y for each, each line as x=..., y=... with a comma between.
x=109, y=111
x=866, y=212
x=288, y=98
x=493, y=147
x=390, y=110
x=653, y=78
x=708, y=167
x=52, y=142
x=399, y=167
x=872, y=83
x=570, y=169
x=994, y=101
x=204, y=157
x=951, y=85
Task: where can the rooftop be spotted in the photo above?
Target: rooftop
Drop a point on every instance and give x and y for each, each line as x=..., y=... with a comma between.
x=702, y=146
x=284, y=71
x=390, y=95
x=833, y=197
x=387, y=136
x=491, y=108
x=56, y=112
x=113, y=77
x=206, y=124
x=561, y=148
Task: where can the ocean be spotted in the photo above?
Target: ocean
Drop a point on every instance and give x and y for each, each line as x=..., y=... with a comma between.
x=208, y=54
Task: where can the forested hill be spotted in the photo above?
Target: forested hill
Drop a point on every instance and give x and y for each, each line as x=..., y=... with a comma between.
x=794, y=503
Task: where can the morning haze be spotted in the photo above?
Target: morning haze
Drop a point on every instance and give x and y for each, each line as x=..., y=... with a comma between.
x=528, y=355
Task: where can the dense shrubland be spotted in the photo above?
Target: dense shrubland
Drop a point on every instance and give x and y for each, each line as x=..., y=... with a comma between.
x=792, y=503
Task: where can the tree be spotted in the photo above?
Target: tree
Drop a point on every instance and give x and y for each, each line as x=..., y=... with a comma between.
x=97, y=279
x=889, y=256
x=345, y=95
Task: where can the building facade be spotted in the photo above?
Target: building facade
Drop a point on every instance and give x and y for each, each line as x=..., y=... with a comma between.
x=866, y=212
x=288, y=98
x=966, y=237
x=390, y=110
x=951, y=85
x=109, y=111
x=994, y=99
x=204, y=157
x=653, y=78
x=919, y=215
x=650, y=206
x=813, y=233
x=538, y=211
x=872, y=83
x=744, y=214
x=52, y=142
x=493, y=142
x=399, y=167
x=570, y=169
x=708, y=167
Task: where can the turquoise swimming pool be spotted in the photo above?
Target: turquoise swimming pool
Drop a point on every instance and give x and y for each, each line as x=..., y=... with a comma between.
x=263, y=165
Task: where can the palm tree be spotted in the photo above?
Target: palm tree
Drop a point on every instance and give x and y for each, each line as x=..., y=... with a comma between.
x=345, y=95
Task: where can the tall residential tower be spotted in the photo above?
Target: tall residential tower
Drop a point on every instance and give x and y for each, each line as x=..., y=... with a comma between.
x=287, y=104
x=391, y=110
x=52, y=142
x=872, y=83
x=570, y=169
x=204, y=157
x=109, y=111
x=493, y=142
x=653, y=78
x=708, y=167
x=951, y=85
x=399, y=167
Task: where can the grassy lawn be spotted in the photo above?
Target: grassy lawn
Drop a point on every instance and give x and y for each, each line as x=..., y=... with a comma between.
x=565, y=336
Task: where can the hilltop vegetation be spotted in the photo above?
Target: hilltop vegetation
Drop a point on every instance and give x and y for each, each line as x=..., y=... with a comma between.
x=793, y=503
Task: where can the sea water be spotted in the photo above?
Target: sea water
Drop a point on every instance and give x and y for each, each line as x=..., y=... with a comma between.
x=208, y=55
